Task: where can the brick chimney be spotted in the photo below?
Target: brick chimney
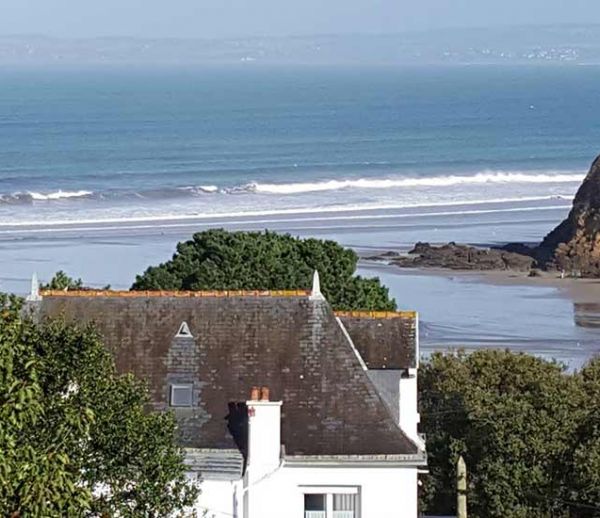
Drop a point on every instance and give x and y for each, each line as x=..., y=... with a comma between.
x=264, y=433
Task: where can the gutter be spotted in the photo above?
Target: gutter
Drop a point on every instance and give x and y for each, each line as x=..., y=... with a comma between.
x=358, y=461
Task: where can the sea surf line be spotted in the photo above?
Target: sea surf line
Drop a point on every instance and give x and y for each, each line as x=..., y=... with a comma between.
x=71, y=226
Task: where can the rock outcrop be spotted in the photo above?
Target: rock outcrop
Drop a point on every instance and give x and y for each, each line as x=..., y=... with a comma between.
x=574, y=245
x=463, y=257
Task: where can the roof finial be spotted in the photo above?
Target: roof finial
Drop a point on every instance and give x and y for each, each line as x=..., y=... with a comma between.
x=316, y=288
x=34, y=294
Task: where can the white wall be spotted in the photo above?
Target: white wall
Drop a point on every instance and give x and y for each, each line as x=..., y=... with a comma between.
x=409, y=417
x=264, y=438
x=218, y=499
x=384, y=492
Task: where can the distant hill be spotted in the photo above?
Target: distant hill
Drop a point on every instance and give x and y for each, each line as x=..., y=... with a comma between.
x=569, y=44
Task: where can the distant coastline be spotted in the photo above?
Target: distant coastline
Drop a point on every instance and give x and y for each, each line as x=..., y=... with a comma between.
x=520, y=45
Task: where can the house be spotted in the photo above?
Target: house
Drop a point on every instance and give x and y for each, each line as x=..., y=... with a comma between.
x=285, y=408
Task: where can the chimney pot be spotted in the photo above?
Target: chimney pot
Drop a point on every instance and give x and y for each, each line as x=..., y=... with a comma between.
x=255, y=394
x=264, y=394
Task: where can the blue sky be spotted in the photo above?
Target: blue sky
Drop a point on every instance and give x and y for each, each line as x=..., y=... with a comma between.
x=231, y=18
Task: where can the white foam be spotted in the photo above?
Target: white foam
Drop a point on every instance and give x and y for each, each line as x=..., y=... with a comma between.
x=73, y=223
x=208, y=188
x=486, y=177
x=164, y=222
x=58, y=195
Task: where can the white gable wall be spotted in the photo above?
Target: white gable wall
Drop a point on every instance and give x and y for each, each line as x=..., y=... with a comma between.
x=218, y=499
x=384, y=492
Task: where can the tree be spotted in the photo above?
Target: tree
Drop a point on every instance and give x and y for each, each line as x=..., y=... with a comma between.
x=61, y=281
x=76, y=438
x=581, y=491
x=221, y=260
x=514, y=418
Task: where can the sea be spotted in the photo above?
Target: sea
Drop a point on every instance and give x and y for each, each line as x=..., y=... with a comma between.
x=103, y=170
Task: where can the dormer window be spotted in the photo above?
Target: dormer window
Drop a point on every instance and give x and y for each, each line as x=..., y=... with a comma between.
x=184, y=331
x=181, y=395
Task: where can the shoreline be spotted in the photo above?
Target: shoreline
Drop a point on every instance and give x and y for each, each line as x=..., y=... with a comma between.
x=579, y=290
x=546, y=316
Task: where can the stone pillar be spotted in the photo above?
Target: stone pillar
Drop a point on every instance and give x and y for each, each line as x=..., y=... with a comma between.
x=461, y=488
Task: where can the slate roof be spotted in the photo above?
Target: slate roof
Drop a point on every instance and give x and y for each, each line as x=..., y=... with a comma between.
x=385, y=340
x=215, y=464
x=282, y=340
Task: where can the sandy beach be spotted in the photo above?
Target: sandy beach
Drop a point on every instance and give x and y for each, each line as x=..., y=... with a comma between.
x=546, y=315
x=584, y=291
x=555, y=318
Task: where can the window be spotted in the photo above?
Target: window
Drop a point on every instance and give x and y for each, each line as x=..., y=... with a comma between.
x=315, y=506
x=184, y=331
x=334, y=502
x=344, y=506
x=181, y=395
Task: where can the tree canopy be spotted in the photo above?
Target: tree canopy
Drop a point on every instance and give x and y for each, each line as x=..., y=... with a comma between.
x=62, y=281
x=528, y=430
x=222, y=260
x=76, y=438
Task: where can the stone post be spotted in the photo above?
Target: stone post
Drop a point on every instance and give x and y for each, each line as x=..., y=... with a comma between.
x=461, y=488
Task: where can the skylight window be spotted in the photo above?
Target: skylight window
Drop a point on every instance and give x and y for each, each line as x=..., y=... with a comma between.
x=181, y=395
x=184, y=331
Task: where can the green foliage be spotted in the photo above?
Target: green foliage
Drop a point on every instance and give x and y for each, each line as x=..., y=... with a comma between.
x=221, y=260
x=61, y=281
x=75, y=437
x=582, y=466
x=529, y=433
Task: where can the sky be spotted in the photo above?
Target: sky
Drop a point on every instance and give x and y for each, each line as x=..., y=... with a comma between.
x=235, y=18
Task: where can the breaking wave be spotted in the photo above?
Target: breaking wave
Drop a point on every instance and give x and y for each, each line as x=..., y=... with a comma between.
x=59, y=195
x=299, y=188
x=490, y=177
x=29, y=197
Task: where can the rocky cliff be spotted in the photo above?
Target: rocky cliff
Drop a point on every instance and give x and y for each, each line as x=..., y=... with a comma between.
x=574, y=245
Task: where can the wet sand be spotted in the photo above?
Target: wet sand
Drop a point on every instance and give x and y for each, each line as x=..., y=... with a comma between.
x=547, y=316
x=576, y=289
x=552, y=317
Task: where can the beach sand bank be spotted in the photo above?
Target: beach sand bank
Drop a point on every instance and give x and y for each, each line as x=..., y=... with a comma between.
x=577, y=289
x=472, y=309
x=553, y=317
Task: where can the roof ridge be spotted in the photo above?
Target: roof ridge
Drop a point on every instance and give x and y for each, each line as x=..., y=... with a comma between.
x=174, y=293
x=376, y=314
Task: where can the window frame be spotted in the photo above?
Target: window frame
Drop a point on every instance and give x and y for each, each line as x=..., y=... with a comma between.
x=184, y=331
x=178, y=386
x=329, y=492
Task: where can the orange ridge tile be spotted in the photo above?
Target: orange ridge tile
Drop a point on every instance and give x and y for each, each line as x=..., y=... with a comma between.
x=158, y=293
x=376, y=314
